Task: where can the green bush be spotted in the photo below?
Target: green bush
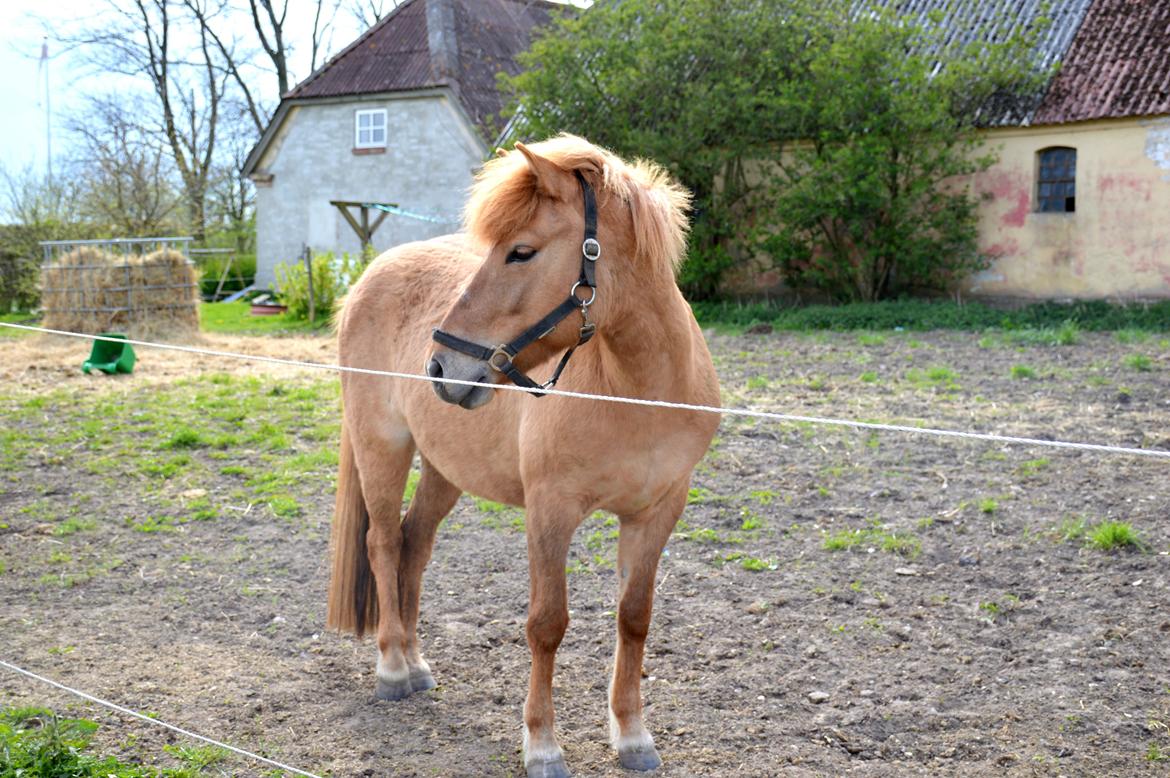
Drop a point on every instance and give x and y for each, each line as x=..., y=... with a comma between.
x=240, y=275
x=332, y=277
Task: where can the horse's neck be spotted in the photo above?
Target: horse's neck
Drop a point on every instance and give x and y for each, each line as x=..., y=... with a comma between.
x=646, y=349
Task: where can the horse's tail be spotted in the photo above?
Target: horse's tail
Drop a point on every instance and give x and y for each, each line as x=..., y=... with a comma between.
x=353, y=601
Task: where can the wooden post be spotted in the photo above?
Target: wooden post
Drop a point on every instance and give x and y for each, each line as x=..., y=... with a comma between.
x=309, y=275
x=223, y=277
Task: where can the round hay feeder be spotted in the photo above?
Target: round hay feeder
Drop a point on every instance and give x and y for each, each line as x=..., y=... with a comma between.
x=100, y=286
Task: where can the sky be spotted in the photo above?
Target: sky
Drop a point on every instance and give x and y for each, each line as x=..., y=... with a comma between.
x=24, y=25
x=26, y=93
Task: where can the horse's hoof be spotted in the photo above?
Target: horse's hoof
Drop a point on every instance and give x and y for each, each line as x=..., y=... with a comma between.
x=553, y=768
x=641, y=759
x=394, y=690
x=421, y=680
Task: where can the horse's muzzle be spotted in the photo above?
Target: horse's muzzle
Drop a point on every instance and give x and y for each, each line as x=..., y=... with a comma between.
x=454, y=366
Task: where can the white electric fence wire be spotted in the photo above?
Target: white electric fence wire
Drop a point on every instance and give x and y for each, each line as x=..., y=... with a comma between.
x=866, y=425
x=154, y=721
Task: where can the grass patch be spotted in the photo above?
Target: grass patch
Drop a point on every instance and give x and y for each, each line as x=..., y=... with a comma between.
x=1110, y=535
x=1022, y=372
x=1139, y=362
x=237, y=319
x=874, y=536
x=38, y=742
x=1047, y=323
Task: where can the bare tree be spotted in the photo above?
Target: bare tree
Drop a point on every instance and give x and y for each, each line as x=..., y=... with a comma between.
x=123, y=170
x=370, y=12
x=28, y=198
x=268, y=25
x=188, y=83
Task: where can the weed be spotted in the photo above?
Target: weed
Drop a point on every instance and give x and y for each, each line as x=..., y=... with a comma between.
x=1032, y=467
x=698, y=495
x=72, y=525
x=1071, y=529
x=988, y=505
x=757, y=382
x=284, y=507
x=1155, y=754
x=1022, y=372
x=1131, y=337
x=905, y=544
x=1139, y=362
x=752, y=564
x=868, y=377
x=936, y=378
x=871, y=339
x=705, y=535
x=763, y=496
x=185, y=437
x=909, y=547
x=750, y=520
x=991, y=610
x=1113, y=534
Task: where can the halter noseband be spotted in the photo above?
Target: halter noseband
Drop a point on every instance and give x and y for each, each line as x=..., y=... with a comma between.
x=500, y=358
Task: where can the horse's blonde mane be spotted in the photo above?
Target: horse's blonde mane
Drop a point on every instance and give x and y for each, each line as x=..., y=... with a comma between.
x=505, y=196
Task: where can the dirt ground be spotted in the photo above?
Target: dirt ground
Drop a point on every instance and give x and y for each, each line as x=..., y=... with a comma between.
x=966, y=629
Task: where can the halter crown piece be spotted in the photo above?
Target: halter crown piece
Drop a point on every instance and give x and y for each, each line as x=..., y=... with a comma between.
x=500, y=358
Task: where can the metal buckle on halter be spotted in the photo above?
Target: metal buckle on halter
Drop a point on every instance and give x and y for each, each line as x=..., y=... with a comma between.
x=501, y=351
x=592, y=295
x=591, y=243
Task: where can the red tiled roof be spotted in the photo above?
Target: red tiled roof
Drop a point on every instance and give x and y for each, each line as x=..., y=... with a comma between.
x=1118, y=65
x=460, y=44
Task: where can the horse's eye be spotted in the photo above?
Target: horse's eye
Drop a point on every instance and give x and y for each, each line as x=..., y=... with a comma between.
x=521, y=254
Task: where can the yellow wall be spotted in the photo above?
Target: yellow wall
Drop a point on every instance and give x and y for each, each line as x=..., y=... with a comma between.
x=1117, y=243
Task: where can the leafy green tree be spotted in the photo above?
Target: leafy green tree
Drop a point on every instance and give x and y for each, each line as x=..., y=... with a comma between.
x=874, y=201
x=832, y=140
x=692, y=84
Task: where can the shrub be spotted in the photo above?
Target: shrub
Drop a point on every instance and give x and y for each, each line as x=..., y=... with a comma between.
x=332, y=277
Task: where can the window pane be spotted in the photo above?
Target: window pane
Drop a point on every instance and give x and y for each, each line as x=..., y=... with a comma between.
x=363, y=120
x=363, y=137
x=378, y=119
x=378, y=137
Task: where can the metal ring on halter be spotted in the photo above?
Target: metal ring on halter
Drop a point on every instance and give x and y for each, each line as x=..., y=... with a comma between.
x=588, y=244
x=592, y=295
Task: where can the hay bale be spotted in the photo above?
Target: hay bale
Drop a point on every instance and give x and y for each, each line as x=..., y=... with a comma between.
x=92, y=290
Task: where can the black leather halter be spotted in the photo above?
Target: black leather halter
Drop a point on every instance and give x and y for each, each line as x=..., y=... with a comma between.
x=500, y=357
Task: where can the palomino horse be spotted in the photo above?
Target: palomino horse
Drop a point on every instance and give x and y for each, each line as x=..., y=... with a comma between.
x=559, y=458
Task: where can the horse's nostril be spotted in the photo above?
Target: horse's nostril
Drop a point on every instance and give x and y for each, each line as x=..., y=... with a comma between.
x=434, y=369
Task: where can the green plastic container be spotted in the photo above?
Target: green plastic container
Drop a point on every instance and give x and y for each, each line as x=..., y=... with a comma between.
x=110, y=357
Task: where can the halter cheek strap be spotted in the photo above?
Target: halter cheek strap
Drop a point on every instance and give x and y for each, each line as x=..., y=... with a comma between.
x=500, y=358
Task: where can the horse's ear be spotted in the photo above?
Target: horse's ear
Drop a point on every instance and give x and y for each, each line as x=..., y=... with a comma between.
x=550, y=179
x=501, y=152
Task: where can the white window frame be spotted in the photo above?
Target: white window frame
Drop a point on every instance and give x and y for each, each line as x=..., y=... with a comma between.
x=377, y=122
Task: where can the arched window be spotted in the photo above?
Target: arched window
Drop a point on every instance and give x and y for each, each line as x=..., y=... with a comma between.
x=1056, y=190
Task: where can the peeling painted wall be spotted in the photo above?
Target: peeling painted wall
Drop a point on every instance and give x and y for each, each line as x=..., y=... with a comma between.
x=1116, y=244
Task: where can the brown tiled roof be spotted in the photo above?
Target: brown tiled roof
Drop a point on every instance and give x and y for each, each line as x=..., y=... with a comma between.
x=460, y=44
x=1118, y=65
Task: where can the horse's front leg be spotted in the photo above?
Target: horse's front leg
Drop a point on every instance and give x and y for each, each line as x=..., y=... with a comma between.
x=643, y=536
x=384, y=471
x=432, y=501
x=550, y=530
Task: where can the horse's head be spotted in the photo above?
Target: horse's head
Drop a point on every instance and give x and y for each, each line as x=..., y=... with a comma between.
x=545, y=214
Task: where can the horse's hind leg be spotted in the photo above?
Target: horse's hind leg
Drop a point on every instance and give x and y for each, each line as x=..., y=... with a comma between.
x=640, y=545
x=433, y=499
